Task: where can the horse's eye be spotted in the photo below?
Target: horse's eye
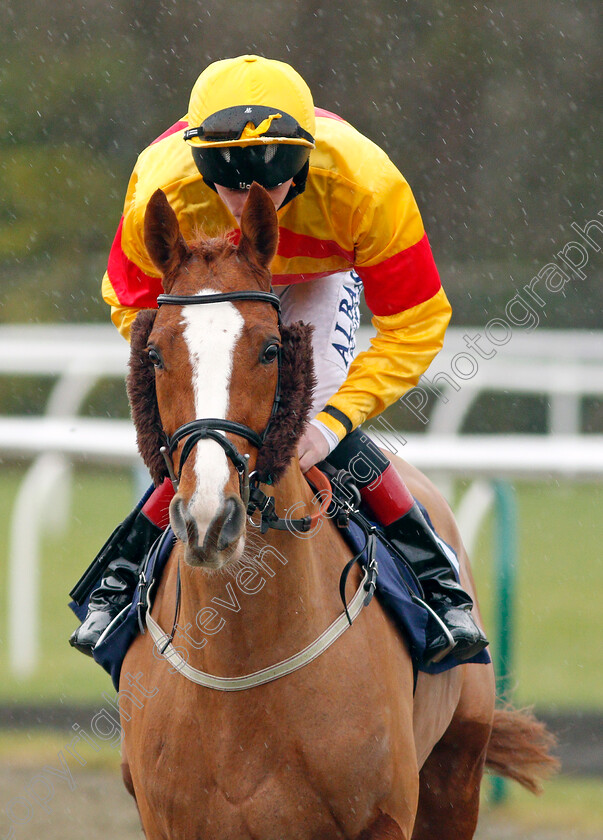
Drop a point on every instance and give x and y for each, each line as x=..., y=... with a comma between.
x=154, y=357
x=269, y=353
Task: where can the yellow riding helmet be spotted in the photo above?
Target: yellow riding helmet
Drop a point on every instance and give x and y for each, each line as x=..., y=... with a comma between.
x=250, y=118
x=251, y=80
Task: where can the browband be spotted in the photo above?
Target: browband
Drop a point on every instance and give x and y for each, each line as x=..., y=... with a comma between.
x=187, y=300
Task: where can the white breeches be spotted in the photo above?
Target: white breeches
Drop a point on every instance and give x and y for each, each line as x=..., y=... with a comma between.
x=331, y=304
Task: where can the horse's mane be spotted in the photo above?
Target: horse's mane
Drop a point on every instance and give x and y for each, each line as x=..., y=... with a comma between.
x=297, y=384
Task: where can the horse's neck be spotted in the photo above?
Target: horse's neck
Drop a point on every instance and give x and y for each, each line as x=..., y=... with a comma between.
x=281, y=595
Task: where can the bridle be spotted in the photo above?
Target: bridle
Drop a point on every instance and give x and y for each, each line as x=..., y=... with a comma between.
x=211, y=427
x=255, y=499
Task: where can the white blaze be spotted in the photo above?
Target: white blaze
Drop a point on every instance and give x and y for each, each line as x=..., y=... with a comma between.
x=211, y=332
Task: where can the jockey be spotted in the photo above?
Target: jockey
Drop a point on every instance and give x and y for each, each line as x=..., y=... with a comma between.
x=347, y=218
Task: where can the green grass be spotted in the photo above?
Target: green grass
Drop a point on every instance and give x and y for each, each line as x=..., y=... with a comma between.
x=37, y=747
x=573, y=805
x=559, y=590
x=557, y=630
x=100, y=500
x=570, y=807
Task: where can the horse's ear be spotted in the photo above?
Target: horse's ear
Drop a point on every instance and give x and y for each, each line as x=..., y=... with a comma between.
x=162, y=237
x=259, y=227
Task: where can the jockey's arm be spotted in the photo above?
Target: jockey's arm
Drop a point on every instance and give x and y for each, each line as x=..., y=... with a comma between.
x=122, y=316
x=400, y=353
x=131, y=282
x=409, y=306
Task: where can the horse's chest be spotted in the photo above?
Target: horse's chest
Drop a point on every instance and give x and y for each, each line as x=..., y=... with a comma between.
x=261, y=781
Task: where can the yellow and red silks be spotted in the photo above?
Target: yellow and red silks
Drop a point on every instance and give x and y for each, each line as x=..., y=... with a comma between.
x=357, y=212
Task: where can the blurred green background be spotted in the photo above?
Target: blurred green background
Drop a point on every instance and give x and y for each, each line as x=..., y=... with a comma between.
x=489, y=110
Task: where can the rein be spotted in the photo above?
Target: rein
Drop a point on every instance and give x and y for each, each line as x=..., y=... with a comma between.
x=269, y=519
x=345, y=510
x=361, y=598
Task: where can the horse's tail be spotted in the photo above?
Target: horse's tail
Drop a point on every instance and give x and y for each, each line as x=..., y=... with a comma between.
x=520, y=748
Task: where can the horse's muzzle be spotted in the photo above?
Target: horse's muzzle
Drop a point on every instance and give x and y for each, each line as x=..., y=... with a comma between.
x=222, y=540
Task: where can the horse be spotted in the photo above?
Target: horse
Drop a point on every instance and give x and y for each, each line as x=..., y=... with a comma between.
x=346, y=746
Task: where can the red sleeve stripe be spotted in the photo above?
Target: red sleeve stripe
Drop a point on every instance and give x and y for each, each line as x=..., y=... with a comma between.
x=402, y=281
x=131, y=285
x=320, y=112
x=171, y=130
x=292, y=245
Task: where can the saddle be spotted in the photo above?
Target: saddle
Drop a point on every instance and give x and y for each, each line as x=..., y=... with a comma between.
x=393, y=583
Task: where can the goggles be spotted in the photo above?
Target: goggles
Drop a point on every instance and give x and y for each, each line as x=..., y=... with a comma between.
x=237, y=167
x=246, y=125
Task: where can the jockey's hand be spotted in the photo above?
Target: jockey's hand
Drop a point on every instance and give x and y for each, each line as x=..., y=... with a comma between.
x=312, y=448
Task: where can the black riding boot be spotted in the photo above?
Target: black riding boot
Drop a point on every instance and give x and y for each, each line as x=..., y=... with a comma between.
x=130, y=546
x=456, y=631
x=452, y=628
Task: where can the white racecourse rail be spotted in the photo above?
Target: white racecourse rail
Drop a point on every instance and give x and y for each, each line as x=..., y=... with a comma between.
x=565, y=366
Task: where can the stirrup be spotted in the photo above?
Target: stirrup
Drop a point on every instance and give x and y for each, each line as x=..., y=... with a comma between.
x=451, y=643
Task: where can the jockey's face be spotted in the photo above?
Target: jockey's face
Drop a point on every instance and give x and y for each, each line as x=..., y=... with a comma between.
x=235, y=199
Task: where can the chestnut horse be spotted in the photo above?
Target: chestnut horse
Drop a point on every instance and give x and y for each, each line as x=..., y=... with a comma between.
x=339, y=748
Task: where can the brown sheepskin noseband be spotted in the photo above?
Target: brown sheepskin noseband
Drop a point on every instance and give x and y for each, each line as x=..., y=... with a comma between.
x=297, y=385
x=286, y=427
x=140, y=385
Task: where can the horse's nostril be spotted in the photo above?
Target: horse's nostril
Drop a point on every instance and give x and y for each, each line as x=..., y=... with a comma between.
x=222, y=533
x=178, y=518
x=234, y=520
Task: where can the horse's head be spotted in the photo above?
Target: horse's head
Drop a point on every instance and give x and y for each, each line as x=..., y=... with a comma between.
x=217, y=361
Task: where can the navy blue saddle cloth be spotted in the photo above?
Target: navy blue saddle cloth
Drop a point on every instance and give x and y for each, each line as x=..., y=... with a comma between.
x=393, y=590
x=394, y=587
